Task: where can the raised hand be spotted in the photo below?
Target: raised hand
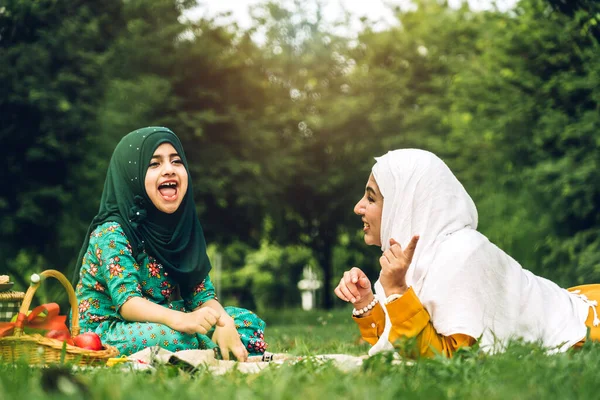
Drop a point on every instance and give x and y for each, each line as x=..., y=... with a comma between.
x=355, y=287
x=394, y=264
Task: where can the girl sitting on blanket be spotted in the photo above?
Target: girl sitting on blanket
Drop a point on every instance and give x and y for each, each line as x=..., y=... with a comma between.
x=455, y=287
x=145, y=245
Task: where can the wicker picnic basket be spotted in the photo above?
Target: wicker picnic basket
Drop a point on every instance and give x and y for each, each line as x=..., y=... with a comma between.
x=10, y=302
x=37, y=349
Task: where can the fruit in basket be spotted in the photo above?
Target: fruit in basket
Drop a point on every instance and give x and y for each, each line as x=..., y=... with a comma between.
x=88, y=340
x=61, y=335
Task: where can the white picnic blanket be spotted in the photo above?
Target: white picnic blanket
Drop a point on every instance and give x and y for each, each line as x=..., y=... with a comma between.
x=196, y=359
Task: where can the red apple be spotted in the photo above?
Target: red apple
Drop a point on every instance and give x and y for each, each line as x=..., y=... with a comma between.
x=88, y=340
x=62, y=335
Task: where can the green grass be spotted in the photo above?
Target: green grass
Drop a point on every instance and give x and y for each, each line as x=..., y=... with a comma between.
x=523, y=372
x=313, y=332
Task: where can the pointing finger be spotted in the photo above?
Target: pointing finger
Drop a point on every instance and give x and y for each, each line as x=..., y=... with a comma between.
x=410, y=249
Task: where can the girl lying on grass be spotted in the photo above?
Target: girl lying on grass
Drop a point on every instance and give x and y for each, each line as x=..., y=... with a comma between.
x=455, y=287
x=146, y=244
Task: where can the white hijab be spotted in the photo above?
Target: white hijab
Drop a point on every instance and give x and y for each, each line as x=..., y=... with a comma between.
x=466, y=283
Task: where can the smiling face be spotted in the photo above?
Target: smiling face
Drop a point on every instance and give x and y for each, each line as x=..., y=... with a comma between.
x=370, y=208
x=166, y=180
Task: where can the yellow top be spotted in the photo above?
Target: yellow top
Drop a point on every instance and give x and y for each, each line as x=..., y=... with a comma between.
x=411, y=320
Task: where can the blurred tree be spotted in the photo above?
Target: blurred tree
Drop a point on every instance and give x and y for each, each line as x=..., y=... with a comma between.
x=270, y=275
x=585, y=12
x=415, y=71
x=570, y=7
x=321, y=129
x=281, y=134
x=206, y=83
x=403, y=76
x=52, y=55
x=532, y=99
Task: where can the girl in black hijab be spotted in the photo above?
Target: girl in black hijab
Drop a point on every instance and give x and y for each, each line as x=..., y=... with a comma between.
x=145, y=242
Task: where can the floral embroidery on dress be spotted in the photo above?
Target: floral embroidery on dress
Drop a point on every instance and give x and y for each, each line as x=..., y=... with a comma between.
x=84, y=305
x=257, y=346
x=98, y=318
x=201, y=287
x=154, y=270
x=99, y=254
x=167, y=289
x=259, y=334
x=115, y=269
x=110, y=276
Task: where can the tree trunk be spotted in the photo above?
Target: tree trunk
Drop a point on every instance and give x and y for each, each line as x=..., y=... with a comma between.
x=324, y=254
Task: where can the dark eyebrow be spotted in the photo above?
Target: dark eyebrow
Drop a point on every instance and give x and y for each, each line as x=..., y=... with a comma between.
x=170, y=155
x=371, y=190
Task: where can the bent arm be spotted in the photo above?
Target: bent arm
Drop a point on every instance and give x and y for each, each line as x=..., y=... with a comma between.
x=203, y=295
x=138, y=309
x=199, y=321
x=410, y=320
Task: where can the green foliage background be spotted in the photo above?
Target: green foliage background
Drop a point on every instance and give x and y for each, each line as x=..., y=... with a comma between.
x=281, y=133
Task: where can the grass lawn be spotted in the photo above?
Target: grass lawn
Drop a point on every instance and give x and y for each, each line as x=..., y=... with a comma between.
x=523, y=372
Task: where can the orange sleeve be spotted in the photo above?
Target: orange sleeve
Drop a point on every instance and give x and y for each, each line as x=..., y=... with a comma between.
x=410, y=320
x=592, y=292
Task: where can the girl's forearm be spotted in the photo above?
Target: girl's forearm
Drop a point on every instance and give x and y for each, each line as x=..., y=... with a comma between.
x=138, y=309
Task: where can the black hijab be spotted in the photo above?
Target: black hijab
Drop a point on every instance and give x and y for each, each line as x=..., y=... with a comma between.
x=176, y=240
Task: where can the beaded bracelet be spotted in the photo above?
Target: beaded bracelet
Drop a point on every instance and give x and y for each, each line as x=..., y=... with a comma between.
x=363, y=310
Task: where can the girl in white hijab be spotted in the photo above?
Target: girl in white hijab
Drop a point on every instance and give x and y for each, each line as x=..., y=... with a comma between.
x=455, y=287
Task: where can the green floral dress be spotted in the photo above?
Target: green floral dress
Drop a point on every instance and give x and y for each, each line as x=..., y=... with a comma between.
x=110, y=276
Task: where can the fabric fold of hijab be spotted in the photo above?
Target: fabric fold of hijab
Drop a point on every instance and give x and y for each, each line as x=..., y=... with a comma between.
x=466, y=283
x=176, y=240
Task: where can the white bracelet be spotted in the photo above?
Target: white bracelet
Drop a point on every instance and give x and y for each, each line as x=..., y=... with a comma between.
x=366, y=308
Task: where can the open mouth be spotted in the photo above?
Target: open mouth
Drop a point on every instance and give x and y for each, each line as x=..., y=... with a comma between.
x=168, y=190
